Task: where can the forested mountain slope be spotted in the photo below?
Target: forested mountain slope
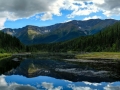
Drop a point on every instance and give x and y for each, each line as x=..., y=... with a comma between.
x=9, y=43
x=106, y=40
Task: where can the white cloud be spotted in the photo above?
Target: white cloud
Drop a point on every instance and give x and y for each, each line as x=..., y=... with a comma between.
x=110, y=7
x=83, y=10
x=73, y=87
x=2, y=21
x=109, y=87
x=81, y=88
x=18, y=9
x=49, y=86
x=97, y=1
x=66, y=21
x=68, y=81
x=94, y=84
x=93, y=17
x=13, y=86
x=2, y=81
x=46, y=16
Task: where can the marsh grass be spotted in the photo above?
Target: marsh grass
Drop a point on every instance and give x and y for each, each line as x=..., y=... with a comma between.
x=99, y=55
x=5, y=55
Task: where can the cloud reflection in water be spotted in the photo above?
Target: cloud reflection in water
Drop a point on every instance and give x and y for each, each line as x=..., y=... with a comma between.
x=54, y=84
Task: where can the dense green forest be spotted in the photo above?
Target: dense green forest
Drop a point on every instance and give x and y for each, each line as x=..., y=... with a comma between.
x=106, y=40
x=9, y=43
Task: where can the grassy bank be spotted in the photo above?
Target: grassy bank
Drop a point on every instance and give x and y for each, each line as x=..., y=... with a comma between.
x=99, y=55
x=5, y=55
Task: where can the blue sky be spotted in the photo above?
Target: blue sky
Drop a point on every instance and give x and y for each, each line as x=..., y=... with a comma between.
x=19, y=13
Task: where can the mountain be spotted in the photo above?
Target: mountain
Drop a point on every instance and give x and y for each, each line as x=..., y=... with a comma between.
x=58, y=32
x=108, y=39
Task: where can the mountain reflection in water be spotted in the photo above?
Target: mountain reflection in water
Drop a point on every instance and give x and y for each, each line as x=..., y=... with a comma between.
x=49, y=73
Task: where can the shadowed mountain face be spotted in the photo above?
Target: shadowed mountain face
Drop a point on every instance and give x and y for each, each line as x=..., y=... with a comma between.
x=58, y=32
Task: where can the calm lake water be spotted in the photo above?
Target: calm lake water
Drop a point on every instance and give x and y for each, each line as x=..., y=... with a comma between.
x=58, y=72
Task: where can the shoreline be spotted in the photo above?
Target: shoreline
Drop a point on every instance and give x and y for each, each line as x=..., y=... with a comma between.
x=5, y=55
x=99, y=56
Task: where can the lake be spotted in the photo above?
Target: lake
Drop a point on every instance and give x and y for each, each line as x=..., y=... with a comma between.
x=58, y=71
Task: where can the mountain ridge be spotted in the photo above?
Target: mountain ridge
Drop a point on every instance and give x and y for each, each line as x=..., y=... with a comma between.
x=58, y=32
x=107, y=40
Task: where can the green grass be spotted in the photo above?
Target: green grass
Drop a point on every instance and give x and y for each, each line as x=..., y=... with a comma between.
x=5, y=55
x=99, y=55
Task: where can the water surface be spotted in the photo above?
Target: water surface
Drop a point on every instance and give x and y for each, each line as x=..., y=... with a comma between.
x=58, y=72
